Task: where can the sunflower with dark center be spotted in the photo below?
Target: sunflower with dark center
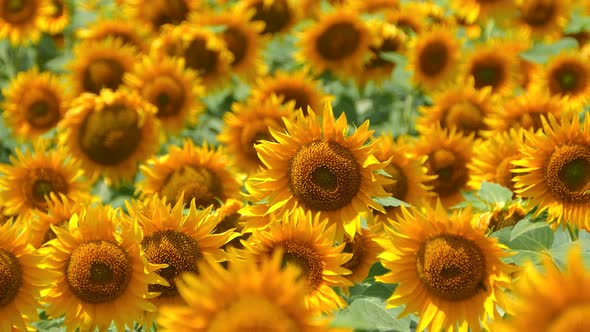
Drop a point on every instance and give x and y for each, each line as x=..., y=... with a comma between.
x=110, y=133
x=554, y=170
x=57, y=19
x=364, y=250
x=448, y=153
x=202, y=173
x=307, y=243
x=567, y=75
x=447, y=272
x=34, y=103
x=316, y=166
x=338, y=42
x=100, y=266
x=32, y=176
x=543, y=18
x=157, y=14
x=278, y=16
x=130, y=35
x=20, y=20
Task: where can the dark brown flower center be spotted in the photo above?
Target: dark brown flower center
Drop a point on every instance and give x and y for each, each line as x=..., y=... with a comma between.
x=490, y=71
x=465, y=116
x=102, y=74
x=451, y=267
x=451, y=171
x=11, y=277
x=197, y=183
x=255, y=140
x=307, y=260
x=98, y=271
x=167, y=94
x=299, y=94
x=567, y=173
x=275, y=16
x=41, y=108
x=169, y=12
x=201, y=59
x=227, y=223
x=40, y=183
x=19, y=11
x=110, y=136
x=569, y=78
x=180, y=251
x=433, y=58
x=338, y=41
x=356, y=247
x=324, y=176
x=537, y=13
x=398, y=189
x=376, y=61
x=237, y=43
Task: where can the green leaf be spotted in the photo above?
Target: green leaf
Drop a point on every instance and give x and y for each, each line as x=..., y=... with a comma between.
x=369, y=313
x=541, y=53
x=390, y=201
x=525, y=225
x=494, y=193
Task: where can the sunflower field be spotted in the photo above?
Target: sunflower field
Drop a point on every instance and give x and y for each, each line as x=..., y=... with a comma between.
x=294, y=165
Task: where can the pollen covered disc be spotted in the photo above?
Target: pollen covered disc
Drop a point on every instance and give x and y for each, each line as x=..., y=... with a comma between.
x=324, y=176
x=568, y=173
x=42, y=109
x=308, y=261
x=451, y=267
x=11, y=277
x=434, y=58
x=41, y=182
x=338, y=41
x=196, y=182
x=101, y=74
x=451, y=171
x=167, y=94
x=201, y=59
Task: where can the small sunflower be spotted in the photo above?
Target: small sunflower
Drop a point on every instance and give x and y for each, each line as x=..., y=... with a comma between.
x=554, y=170
x=525, y=111
x=485, y=10
x=374, y=6
x=543, y=19
x=434, y=58
x=278, y=16
x=501, y=216
x=203, y=51
x=492, y=159
x=32, y=175
x=364, y=250
x=201, y=173
x=110, y=133
x=337, y=42
x=308, y=243
x=158, y=13
x=20, y=20
x=56, y=20
x=100, y=64
x=448, y=272
x=23, y=278
x=449, y=152
x=249, y=295
x=129, y=34
x=34, y=103
x=174, y=90
x=247, y=124
x=315, y=165
x=299, y=86
x=567, y=75
x=100, y=266
x=461, y=107
x=552, y=299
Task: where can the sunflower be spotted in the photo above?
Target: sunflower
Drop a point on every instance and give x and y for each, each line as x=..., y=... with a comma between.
x=34, y=103
x=230, y=218
x=129, y=34
x=501, y=216
x=278, y=16
x=247, y=124
x=566, y=75
x=416, y=18
x=242, y=39
x=32, y=175
x=178, y=240
x=158, y=13
x=448, y=272
x=408, y=172
x=485, y=10
x=315, y=165
x=100, y=64
x=434, y=58
x=20, y=20
x=308, y=243
x=337, y=42
x=374, y=6
x=449, y=152
x=364, y=250
x=174, y=90
x=203, y=51
x=544, y=19
x=552, y=299
x=459, y=106
x=525, y=111
x=554, y=170
x=299, y=86
x=100, y=266
x=110, y=133
x=23, y=278
x=202, y=173
x=247, y=296
x=56, y=21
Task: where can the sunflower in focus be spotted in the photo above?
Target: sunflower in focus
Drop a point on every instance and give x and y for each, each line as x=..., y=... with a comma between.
x=33, y=174
x=248, y=295
x=201, y=173
x=544, y=19
x=34, y=103
x=174, y=90
x=157, y=13
x=554, y=170
x=23, y=278
x=492, y=159
x=57, y=18
x=100, y=65
x=203, y=51
x=307, y=242
x=539, y=307
x=315, y=165
x=129, y=34
x=459, y=106
x=20, y=20
x=447, y=272
x=566, y=75
x=338, y=42
x=250, y=122
x=100, y=266
x=110, y=133
x=448, y=152
x=364, y=250
x=299, y=86
x=434, y=58
x=278, y=16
